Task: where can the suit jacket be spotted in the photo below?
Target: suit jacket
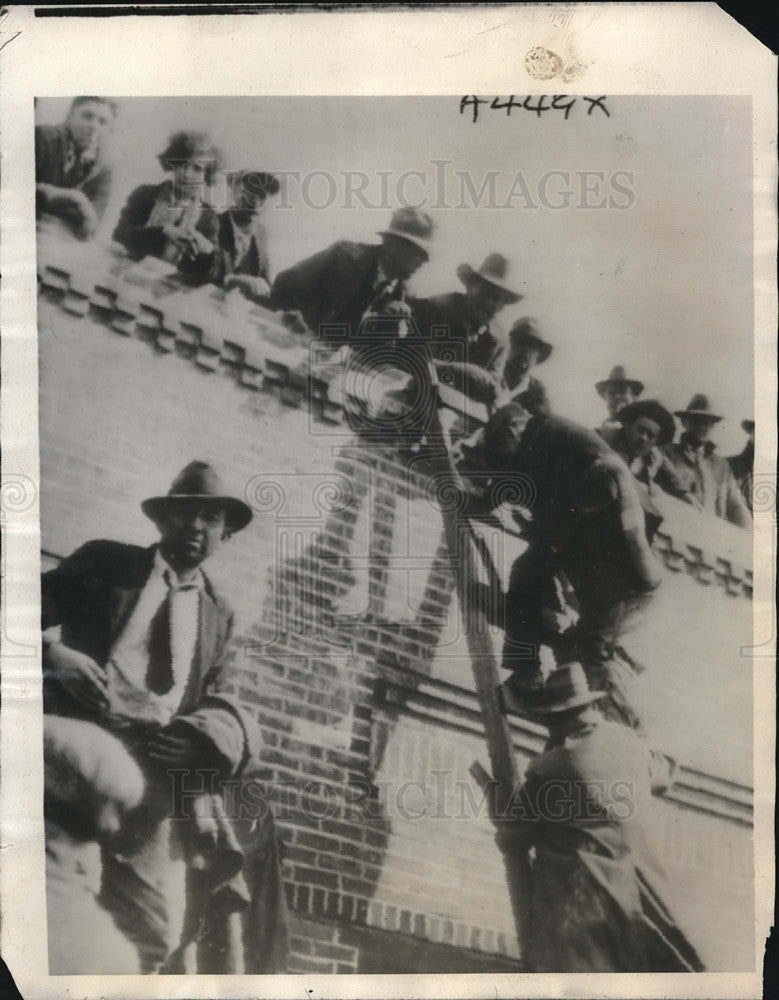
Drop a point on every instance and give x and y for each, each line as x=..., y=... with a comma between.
x=51, y=144
x=710, y=480
x=256, y=262
x=335, y=286
x=150, y=241
x=597, y=904
x=91, y=595
x=556, y=468
x=486, y=348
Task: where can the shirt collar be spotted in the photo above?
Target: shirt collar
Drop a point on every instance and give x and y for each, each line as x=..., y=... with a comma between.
x=704, y=449
x=162, y=568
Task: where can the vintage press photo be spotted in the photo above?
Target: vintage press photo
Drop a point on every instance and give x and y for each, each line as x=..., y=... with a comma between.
x=397, y=499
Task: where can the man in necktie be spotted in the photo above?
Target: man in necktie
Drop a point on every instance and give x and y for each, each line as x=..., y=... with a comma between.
x=336, y=288
x=142, y=652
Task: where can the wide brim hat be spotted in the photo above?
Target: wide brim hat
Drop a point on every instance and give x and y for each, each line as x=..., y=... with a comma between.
x=199, y=481
x=495, y=269
x=653, y=410
x=525, y=331
x=748, y=426
x=618, y=376
x=412, y=225
x=699, y=406
x=261, y=180
x=564, y=689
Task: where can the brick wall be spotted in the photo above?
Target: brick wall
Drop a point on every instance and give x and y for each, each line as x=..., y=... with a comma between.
x=344, y=602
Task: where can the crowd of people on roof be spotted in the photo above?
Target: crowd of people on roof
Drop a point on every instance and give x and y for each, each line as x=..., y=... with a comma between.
x=589, y=533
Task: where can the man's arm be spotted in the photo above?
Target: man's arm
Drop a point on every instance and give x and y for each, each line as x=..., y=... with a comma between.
x=217, y=734
x=98, y=189
x=469, y=379
x=736, y=510
x=669, y=481
x=64, y=669
x=131, y=230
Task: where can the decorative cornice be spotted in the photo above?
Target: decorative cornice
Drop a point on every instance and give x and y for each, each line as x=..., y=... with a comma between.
x=254, y=344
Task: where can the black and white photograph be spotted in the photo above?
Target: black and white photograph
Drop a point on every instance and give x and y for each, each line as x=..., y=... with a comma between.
x=397, y=501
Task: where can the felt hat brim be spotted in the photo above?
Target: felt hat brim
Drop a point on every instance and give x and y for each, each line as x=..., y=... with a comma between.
x=635, y=386
x=418, y=241
x=237, y=513
x=576, y=701
x=652, y=410
x=714, y=418
x=466, y=274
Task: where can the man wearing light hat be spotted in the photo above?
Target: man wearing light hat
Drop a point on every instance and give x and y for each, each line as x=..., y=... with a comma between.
x=465, y=340
x=618, y=390
x=586, y=808
x=334, y=289
x=143, y=654
x=704, y=475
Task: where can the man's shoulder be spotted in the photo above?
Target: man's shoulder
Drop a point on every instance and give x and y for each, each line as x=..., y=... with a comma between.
x=447, y=300
x=107, y=552
x=354, y=253
x=339, y=257
x=50, y=131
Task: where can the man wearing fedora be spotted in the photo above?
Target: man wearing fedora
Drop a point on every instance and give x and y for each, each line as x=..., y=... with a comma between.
x=586, y=808
x=527, y=348
x=704, y=475
x=142, y=653
x=643, y=428
x=334, y=289
x=616, y=391
x=466, y=321
x=743, y=465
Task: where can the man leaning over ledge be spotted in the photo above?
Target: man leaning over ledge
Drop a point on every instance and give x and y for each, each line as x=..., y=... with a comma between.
x=142, y=653
x=335, y=288
x=72, y=176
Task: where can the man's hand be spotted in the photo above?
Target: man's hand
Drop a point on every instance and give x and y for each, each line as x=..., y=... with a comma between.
x=293, y=320
x=397, y=308
x=73, y=204
x=199, y=243
x=254, y=287
x=78, y=673
x=177, y=749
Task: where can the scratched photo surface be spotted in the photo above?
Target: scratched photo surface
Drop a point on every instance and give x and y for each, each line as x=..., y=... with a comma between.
x=357, y=368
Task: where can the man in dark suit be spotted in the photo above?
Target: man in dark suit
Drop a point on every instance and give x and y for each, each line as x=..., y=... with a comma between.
x=142, y=653
x=72, y=175
x=241, y=256
x=468, y=319
x=587, y=521
x=587, y=810
x=334, y=289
